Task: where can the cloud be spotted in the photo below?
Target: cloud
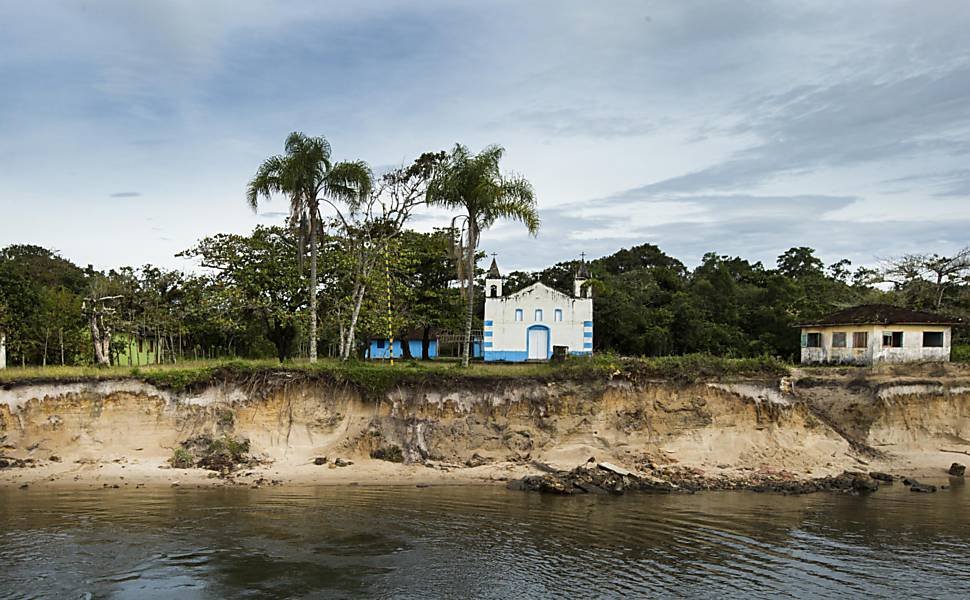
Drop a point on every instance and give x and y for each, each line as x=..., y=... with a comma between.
x=126, y=194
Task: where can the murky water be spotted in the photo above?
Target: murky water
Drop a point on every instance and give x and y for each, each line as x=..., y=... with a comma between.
x=441, y=542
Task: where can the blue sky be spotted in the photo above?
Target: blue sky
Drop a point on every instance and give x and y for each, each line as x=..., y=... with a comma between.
x=128, y=129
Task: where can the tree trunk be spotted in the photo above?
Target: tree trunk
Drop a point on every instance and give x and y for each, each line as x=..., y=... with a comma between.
x=313, y=285
x=3, y=350
x=406, y=347
x=470, y=295
x=99, y=358
x=47, y=336
x=352, y=330
x=426, y=343
x=61, y=336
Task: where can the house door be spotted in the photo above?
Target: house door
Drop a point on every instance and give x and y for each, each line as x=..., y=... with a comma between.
x=538, y=343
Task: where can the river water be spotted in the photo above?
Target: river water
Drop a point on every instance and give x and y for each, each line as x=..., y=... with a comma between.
x=479, y=542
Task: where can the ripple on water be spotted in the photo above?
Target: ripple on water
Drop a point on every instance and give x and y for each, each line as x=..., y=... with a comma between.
x=478, y=542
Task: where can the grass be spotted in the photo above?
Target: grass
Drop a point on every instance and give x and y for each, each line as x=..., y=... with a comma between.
x=376, y=378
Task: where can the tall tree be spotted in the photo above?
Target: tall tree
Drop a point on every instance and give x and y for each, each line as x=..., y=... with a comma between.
x=307, y=175
x=474, y=184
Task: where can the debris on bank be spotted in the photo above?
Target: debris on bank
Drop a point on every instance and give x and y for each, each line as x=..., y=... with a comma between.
x=606, y=478
x=224, y=455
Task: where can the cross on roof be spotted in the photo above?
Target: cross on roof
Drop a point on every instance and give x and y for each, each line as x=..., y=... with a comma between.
x=583, y=255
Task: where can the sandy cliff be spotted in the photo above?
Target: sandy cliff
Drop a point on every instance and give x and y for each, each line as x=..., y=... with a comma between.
x=124, y=432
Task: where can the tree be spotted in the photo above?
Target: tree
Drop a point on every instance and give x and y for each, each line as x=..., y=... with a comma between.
x=259, y=276
x=475, y=185
x=924, y=279
x=307, y=176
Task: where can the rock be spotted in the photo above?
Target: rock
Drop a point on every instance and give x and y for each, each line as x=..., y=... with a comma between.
x=957, y=470
x=477, y=460
x=878, y=476
x=341, y=462
x=923, y=488
x=422, y=485
x=615, y=469
x=56, y=458
x=864, y=484
x=591, y=488
x=910, y=481
x=320, y=460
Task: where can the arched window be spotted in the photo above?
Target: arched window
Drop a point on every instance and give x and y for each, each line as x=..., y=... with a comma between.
x=557, y=315
x=538, y=315
x=494, y=291
x=518, y=314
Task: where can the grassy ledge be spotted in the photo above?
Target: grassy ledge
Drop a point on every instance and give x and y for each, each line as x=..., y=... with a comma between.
x=376, y=378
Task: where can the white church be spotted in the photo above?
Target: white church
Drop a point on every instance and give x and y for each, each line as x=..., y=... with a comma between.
x=527, y=324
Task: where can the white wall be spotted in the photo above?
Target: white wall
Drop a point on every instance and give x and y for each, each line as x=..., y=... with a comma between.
x=509, y=336
x=912, y=349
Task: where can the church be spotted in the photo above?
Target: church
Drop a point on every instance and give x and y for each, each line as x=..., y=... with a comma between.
x=526, y=325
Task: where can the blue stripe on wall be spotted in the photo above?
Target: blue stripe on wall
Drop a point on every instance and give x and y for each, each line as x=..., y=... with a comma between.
x=587, y=344
x=488, y=344
x=488, y=323
x=488, y=334
x=588, y=334
x=587, y=323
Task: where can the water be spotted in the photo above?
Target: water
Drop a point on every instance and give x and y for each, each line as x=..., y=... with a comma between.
x=441, y=542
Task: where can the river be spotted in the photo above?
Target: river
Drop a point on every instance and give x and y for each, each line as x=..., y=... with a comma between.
x=479, y=542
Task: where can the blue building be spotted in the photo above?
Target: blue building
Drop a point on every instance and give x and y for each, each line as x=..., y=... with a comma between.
x=381, y=349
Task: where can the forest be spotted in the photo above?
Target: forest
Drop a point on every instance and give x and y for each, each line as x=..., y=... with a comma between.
x=346, y=267
x=248, y=301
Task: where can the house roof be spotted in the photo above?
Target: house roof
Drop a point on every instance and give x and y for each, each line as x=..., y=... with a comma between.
x=493, y=272
x=881, y=314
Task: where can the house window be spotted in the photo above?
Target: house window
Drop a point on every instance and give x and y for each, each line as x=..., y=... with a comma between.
x=860, y=339
x=518, y=314
x=557, y=315
x=380, y=344
x=932, y=339
x=892, y=339
x=813, y=340
x=538, y=315
x=838, y=339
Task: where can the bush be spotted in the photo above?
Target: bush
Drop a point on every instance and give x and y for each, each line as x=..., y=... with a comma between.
x=960, y=353
x=389, y=453
x=181, y=459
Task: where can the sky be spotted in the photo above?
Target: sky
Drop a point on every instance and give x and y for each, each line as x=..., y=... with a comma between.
x=128, y=130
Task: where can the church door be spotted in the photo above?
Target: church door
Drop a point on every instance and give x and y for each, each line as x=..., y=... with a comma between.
x=538, y=343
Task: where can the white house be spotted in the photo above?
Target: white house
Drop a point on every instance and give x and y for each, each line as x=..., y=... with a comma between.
x=527, y=324
x=877, y=333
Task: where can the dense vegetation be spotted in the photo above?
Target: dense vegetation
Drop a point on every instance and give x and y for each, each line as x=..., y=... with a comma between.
x=327, y=285
x=251, y=302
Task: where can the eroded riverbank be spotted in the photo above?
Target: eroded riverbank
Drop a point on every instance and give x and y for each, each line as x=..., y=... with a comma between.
x=720, y=433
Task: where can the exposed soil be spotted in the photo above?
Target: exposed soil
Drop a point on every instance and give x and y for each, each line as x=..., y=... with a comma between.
x=805, y=431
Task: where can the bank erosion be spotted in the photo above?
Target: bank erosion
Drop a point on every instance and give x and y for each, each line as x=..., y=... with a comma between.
x=688, y=423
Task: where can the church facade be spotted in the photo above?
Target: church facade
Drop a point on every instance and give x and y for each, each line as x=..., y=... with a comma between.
x=525, y=326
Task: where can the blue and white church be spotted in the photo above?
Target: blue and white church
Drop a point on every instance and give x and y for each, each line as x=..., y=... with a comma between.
x=524, y=326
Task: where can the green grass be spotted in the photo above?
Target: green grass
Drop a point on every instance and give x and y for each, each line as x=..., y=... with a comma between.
x=376, y=378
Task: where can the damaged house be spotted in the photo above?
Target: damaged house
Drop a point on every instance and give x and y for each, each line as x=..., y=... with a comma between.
x=877, y=333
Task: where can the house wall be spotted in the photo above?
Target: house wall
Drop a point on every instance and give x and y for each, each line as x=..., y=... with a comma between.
x=506, y=339
x=912, y=349
x=416, y=347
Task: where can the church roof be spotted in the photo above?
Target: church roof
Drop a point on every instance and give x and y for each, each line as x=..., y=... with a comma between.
x=493, y=272
x=528, y=289
x=583, y=272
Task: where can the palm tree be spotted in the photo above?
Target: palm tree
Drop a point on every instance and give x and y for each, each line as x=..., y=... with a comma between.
x=475, y=185
x=306, y=174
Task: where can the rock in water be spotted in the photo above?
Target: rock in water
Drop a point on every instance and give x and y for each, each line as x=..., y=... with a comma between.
x=864, y=485
x=957, y=470
x=882, y=476
x=923, y=488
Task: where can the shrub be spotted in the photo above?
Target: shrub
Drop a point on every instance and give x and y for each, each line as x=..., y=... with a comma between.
x=391, y=453
x=960, y=353
x=181, y=459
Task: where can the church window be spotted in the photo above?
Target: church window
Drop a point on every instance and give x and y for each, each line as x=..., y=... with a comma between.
x=494, y=291
x=557, y=315
x=518, y=314
x=538, y=314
